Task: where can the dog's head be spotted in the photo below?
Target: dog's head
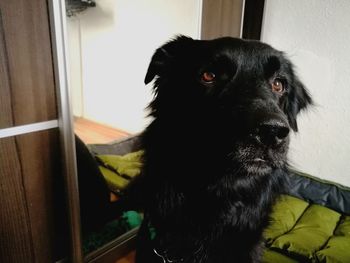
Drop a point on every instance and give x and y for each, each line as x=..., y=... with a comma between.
x=245, y=93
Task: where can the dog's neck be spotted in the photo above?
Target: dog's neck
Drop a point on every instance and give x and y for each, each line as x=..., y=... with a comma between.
x=188, y=205
x=189, y=226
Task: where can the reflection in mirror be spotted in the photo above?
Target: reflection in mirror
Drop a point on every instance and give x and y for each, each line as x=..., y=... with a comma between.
x=110, y=45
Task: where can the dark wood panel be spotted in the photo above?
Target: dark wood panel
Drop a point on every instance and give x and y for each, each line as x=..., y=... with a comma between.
x=27, y=60
x=15, y=235
x=5, y=95
x=30, y=166
x=221, y=18
x=39, y=158
x=253, y=16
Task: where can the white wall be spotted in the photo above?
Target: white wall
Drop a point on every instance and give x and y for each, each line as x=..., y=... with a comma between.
x=118, y=38
x=75, y=67
x=316, y=35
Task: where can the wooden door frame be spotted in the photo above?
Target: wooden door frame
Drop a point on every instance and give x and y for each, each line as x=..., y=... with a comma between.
x=221, y=18
x=235, y=18
x=252, y=19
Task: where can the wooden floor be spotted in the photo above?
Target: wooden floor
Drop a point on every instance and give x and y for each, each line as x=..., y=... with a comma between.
x=92, y=132
x=129, y=258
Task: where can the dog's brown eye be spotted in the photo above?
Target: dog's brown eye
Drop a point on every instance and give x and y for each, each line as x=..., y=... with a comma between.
x=277, y=86
x=208, y=77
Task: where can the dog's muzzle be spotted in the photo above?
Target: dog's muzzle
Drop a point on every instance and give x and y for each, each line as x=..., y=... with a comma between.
x=266, y=145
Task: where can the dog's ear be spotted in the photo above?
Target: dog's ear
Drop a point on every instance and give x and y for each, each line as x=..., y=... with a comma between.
x=165, y=55
x=298, y=99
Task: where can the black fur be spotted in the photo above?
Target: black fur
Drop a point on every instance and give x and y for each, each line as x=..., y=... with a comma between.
x=215, y=151
x=95, y=207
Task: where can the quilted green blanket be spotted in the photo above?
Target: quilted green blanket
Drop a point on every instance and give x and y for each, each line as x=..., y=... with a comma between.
x=306, y=232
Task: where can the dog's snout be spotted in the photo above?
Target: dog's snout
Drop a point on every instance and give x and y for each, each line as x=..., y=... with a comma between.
x=272, y=132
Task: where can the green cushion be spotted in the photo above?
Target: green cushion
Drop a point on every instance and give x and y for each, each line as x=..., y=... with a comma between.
x=271, y=256
x=115, y=182
x=128, y=165
x=338, y=246
x=310, y=233
x=285, y=214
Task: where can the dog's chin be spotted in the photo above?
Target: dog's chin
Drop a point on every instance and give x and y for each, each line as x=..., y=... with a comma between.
x=254, y=160
x=257, y=166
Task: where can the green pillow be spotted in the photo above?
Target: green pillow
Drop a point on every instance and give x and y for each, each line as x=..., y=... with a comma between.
x=128, y=165
x=115, y=182
x=310, y=233
x=271, y=256
x=285, y=214
x=338, y=246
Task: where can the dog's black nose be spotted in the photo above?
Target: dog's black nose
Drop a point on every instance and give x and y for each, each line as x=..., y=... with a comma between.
x=272, y=132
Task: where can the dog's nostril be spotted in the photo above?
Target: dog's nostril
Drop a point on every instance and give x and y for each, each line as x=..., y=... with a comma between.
x=272, y=133
x=282, y=132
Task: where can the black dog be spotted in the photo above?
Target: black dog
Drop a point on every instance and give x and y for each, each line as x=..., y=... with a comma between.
x=215, y=152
